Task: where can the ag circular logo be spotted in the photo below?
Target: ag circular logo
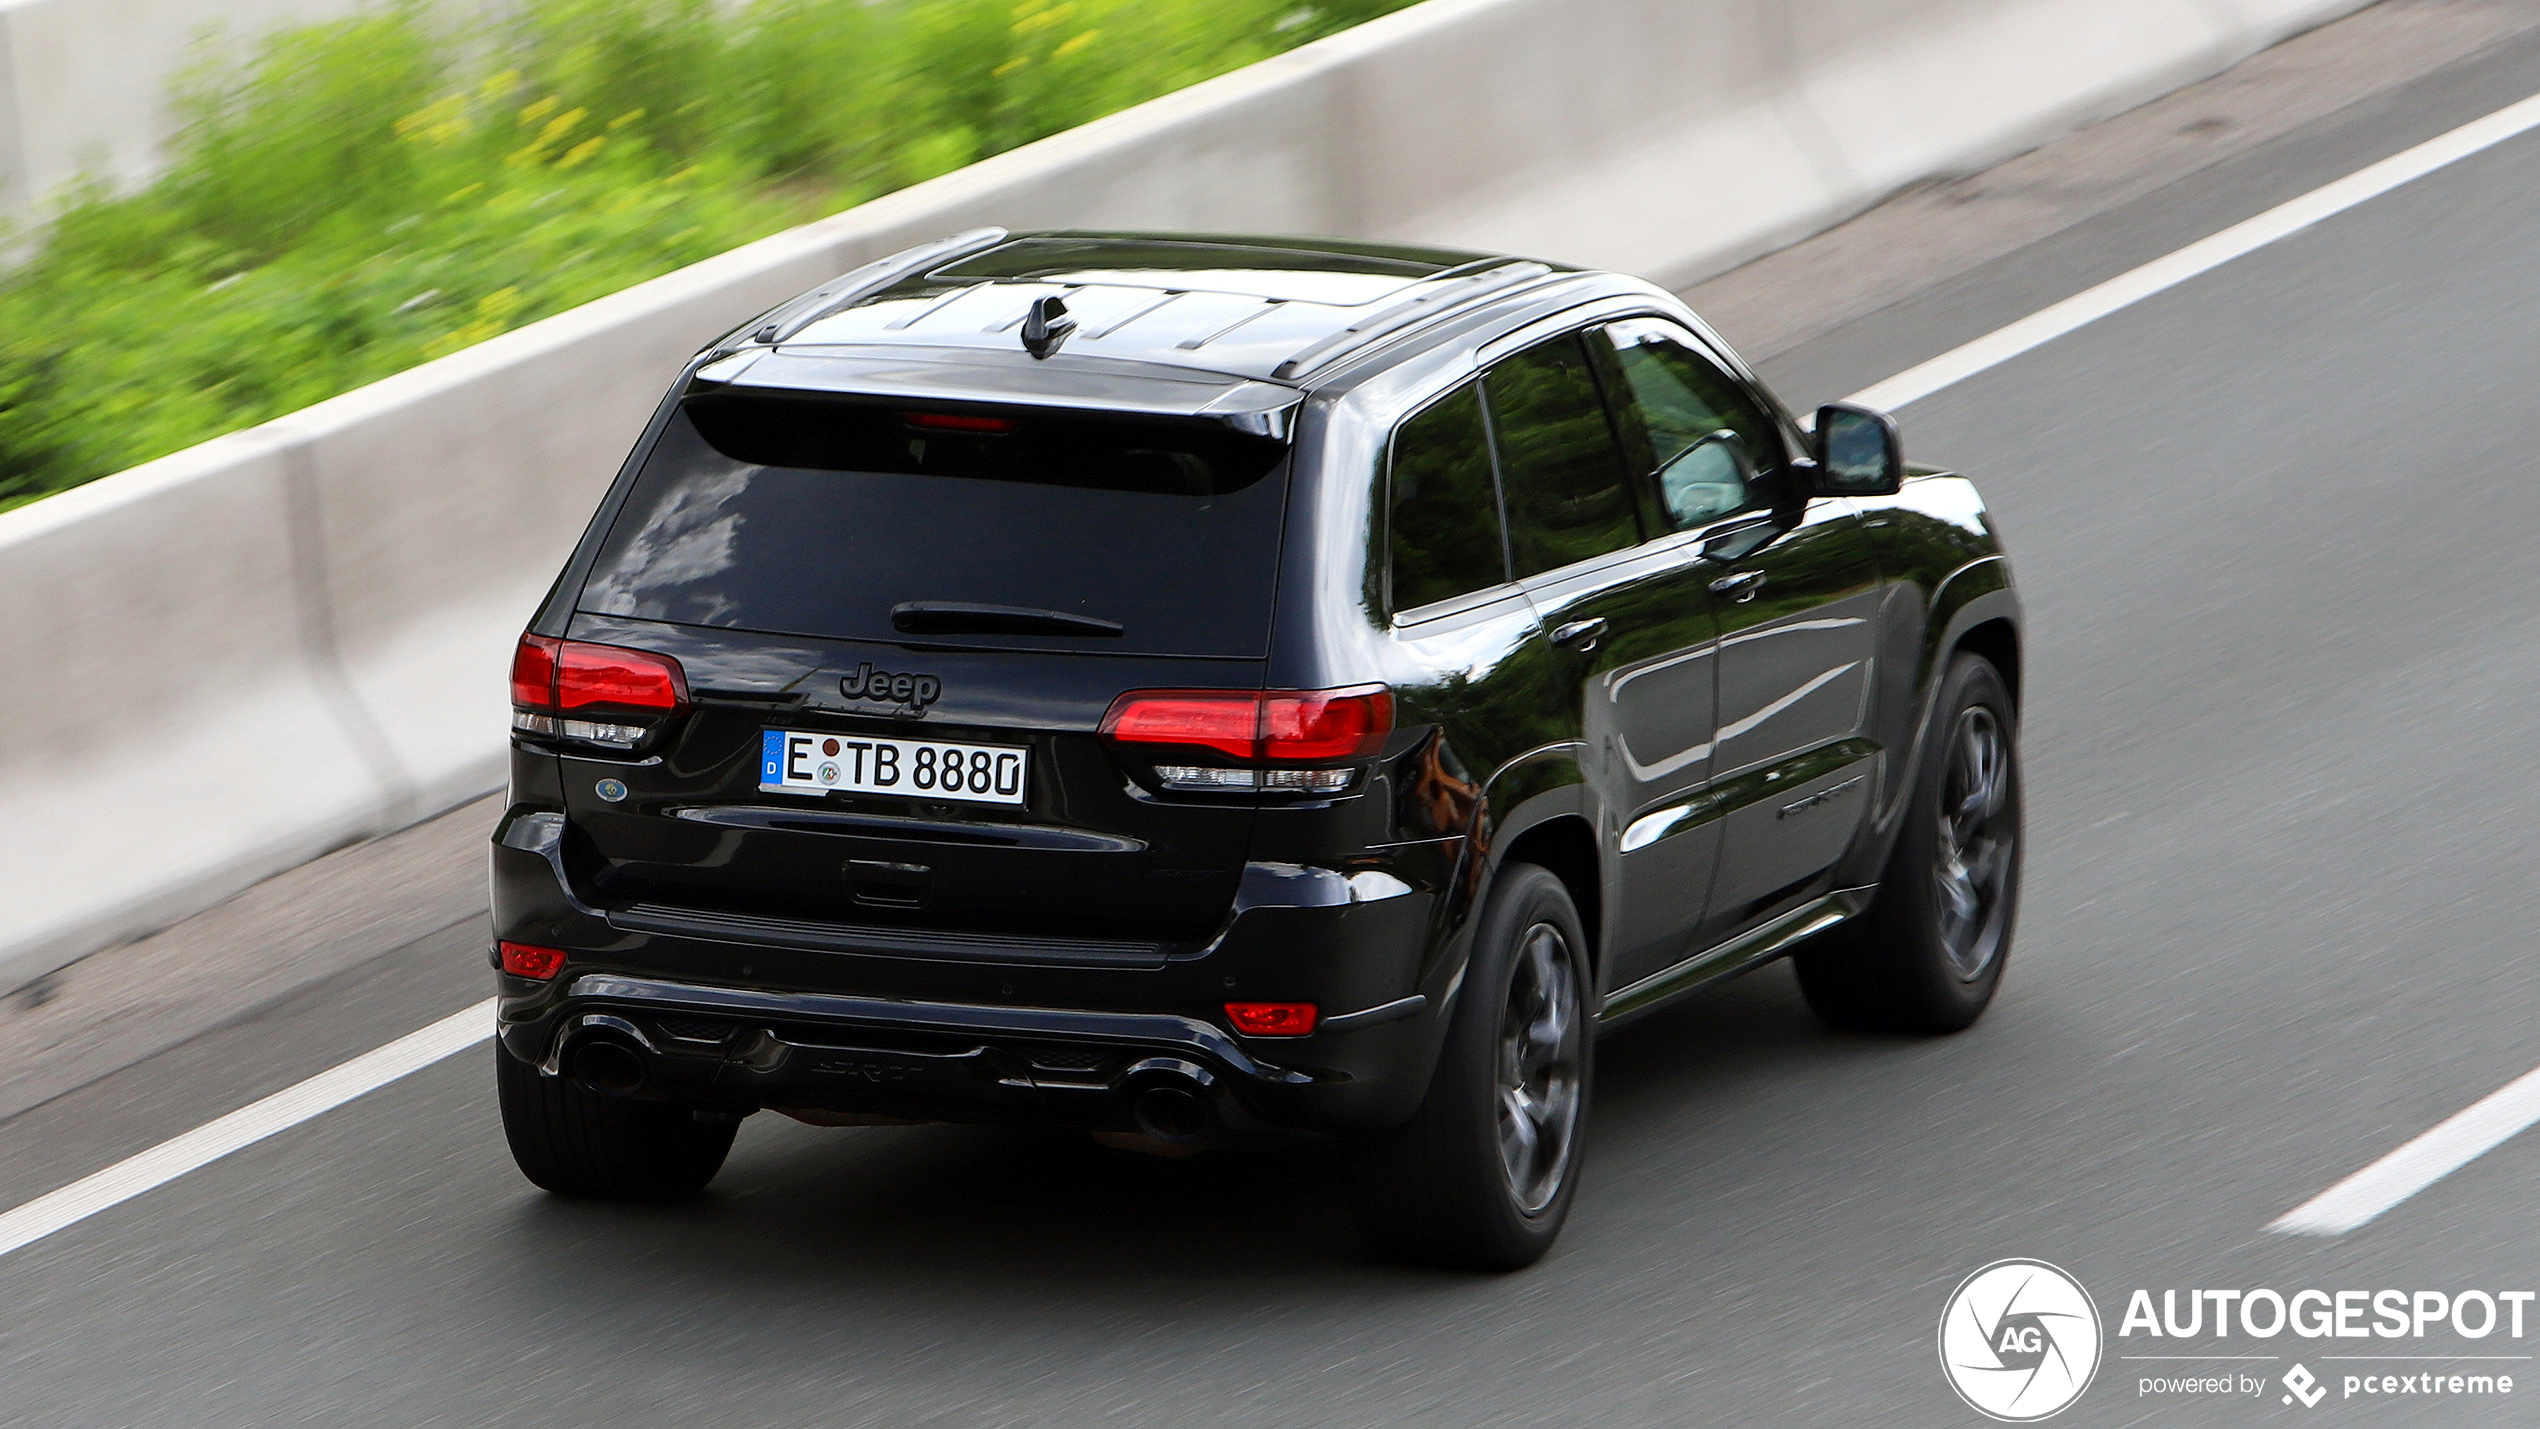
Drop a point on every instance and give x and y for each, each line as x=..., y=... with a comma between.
x=2019, y=1340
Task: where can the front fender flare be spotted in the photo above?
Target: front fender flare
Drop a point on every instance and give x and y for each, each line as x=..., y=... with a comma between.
x=1975, y=594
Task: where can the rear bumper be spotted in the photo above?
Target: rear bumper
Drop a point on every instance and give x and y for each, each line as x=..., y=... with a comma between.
x=744, y=1048
x=744, y=1021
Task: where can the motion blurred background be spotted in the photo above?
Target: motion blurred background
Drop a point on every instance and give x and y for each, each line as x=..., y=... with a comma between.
x=341, y=200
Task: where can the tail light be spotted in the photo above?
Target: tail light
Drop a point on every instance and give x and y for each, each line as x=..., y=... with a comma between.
x=1271, y=1019
x=1228, y=721
x=1270, y=727
x=531, y=961
x=534, y=672
x=552, y=678
x=1325, y=724
x=958, y=422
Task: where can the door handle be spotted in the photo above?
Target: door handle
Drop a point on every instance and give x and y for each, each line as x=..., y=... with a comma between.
x=1579, y=634
x=1740, y=587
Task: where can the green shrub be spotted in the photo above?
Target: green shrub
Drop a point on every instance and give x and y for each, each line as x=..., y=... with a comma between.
x=354, y=198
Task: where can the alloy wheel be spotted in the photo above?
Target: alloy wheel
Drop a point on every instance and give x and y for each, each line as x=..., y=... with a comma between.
x=1979, y=822
x=1541, y=1056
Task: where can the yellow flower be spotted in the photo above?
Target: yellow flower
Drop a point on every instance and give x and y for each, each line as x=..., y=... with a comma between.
x=1072, y=46
x=1030, y=19
x=439, y=122
x=581, y=151
x=538, y=148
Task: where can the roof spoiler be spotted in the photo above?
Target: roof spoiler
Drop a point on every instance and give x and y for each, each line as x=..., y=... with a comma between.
x=1262, y=409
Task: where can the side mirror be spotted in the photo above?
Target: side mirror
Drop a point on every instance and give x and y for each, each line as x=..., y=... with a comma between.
x=1858, y=452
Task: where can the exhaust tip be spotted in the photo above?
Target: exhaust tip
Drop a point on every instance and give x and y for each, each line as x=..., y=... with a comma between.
x=607, y=1066
x=1170, y=1113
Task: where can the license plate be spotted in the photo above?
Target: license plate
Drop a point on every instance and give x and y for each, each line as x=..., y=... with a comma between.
x=792, y=762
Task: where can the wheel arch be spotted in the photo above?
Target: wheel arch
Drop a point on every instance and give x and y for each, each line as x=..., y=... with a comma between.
x=1538, y=809
x=1975, y=610
x=1998, y=641
x=1976, y=602
x=1566, y=845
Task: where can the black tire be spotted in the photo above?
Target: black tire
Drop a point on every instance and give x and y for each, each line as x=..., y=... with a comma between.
x=1439, y=1190
x=577, y=1142
x=1927, y=954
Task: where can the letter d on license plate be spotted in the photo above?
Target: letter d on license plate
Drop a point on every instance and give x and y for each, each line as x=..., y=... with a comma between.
x=792, y=762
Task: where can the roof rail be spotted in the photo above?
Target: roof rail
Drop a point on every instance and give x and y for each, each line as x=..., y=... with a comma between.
x=1497, y=278
x=844, y=290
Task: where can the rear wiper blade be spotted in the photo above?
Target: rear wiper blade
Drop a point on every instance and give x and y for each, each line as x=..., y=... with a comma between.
x=956, y=617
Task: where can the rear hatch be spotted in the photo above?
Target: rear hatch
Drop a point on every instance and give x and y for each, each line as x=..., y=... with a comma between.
x=900, y=624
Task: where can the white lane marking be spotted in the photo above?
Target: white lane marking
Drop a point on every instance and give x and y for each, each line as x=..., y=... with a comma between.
x=244, y=1127
x=2468, y=1134
x=415, y=1051
x=2162, y=274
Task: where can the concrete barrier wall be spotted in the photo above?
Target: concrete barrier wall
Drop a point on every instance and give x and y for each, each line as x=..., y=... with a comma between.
x=226, y=661
x=84, y=84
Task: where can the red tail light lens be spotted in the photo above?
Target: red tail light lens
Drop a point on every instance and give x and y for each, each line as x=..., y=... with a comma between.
x=552, y=674
x=1282, y=725
x=1228, y=721
x=1271, y=1019
x=956, y=422
x=534, y=672
x=531, y=961
x=1325, y=724
x=593, y=675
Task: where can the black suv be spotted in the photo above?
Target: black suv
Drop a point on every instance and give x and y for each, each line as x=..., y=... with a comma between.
x=1206, y=689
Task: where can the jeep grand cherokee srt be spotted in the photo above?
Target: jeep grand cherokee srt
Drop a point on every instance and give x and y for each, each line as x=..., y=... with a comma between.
x=1205, y=689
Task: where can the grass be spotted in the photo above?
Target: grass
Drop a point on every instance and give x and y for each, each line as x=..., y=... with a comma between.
x=350, y=199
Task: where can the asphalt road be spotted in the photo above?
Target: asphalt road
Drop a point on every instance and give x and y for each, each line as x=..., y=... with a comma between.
x=2276, y=531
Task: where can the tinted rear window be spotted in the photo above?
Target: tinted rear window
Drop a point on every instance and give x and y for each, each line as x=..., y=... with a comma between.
x=815, y=516
x=1443, y=526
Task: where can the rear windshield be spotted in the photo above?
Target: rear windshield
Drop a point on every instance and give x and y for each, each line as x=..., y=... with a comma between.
x=816, y=516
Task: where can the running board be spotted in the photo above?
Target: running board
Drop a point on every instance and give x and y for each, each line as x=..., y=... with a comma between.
x=1734, y=956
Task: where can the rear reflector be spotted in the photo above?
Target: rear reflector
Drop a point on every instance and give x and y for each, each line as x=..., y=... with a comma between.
x=531, y=961
x=1271, y=1019
x=553, y=675
x=1278, y=725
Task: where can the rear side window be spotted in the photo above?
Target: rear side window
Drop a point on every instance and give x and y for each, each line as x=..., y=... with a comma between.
x=1559, y=470
x=1443, y=530
x=815, y=516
